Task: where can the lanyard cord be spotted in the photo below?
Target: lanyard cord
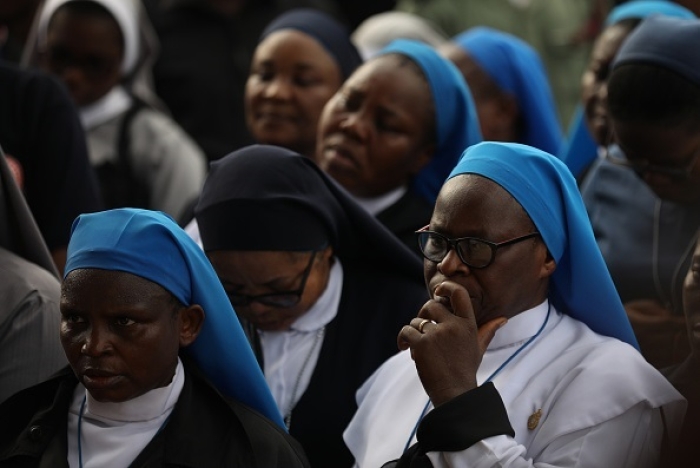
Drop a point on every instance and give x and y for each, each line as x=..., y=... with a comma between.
x=80, y=421
x=490, y=377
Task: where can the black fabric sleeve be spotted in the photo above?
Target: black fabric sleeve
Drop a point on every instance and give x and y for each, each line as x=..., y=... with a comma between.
x=458, y=424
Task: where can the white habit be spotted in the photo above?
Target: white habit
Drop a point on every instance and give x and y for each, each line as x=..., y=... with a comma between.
x=598, y=398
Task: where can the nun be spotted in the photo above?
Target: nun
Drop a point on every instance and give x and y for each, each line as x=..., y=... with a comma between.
x=141, y=157
x=510, y=87
x=589, y=130
x=321, y=287
x=524, y=355
x=643, y=196
x=302, y=59
x=160, y=370
x=394, y=131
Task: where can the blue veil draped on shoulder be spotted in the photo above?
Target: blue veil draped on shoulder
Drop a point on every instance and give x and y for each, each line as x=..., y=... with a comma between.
x=151, y=245
x=581, y=285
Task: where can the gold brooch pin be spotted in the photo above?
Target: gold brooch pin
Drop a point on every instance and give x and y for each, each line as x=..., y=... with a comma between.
x=534, y=419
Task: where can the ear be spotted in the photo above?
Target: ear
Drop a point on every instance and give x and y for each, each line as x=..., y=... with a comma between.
x=326, y=254
x=548, y=266
x=422, y=159
x=190, y=322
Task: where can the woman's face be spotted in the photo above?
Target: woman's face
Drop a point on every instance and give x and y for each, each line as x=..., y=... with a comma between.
x=663, y=148
x=291, y=79
x=121, y=333
x=377, y=131
x=595, y=78
x=86, y=53
x=255, y=273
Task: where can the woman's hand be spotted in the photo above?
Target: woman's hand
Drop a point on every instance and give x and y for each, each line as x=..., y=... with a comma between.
x=445, y=343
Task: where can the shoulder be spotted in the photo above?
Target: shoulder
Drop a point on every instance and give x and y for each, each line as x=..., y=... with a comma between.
x=21, y=408
x=22, y=278
x=599, y=376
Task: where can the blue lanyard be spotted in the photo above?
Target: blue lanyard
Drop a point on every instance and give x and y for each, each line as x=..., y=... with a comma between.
x=489, y=379
x=80, y=421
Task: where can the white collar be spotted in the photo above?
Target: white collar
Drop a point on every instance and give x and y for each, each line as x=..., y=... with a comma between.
x=520, y=328
x=378, y=204
x=146, y=407
x=326, y=307
x=106, y=108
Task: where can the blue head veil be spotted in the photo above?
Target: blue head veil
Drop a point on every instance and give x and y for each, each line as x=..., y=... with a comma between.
x=457, y=124
x=581, y=150
x=151, y=245
x=581, y=285
x=517, y=69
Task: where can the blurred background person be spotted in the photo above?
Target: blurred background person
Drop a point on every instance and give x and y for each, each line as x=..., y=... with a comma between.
x=45, y=145
x=30, y=350
x=206, y=49
x=686, y=376
x=510, y=87
x=562, y=32
x=141, y=157
x=303, y=57
x=377, y=31
x=643, y=196
x=393, y=132
x=589, y=131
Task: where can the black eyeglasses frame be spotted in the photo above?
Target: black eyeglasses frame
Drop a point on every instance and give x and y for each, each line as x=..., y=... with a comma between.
x=243, y=300
x=424, y=233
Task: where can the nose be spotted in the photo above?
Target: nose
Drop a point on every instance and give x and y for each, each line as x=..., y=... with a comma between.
x=452, y=265
x=278, y=88
x=354, y=124
x=97, y=342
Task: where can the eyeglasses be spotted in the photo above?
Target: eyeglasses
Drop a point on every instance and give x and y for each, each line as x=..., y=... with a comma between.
x=283, y=300
x=643, y=167
x=474, y=252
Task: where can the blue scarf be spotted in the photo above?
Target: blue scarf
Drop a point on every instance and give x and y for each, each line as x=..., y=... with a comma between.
x=581, y=285
x=581, y=150
x=151, y=245
x=456, y=123
x=517, y=69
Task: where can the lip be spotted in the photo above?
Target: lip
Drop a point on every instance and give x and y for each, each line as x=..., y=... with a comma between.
x=274, y=117
x=98, y=379
x=340, y=155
